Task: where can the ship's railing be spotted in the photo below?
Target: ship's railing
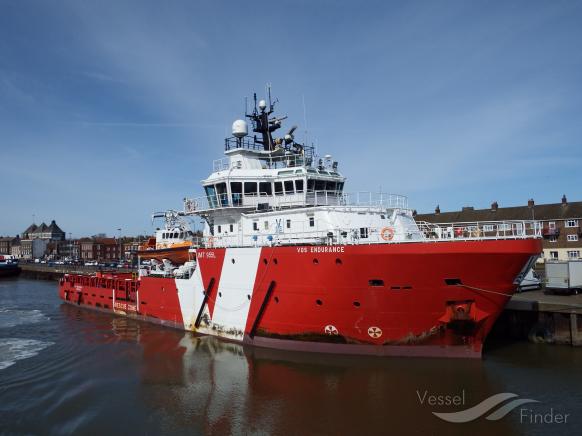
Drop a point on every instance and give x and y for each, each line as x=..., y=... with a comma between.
x=268, y=162
x=425, y=232
x=481, y=229
x=263, y=201
x=362, y=198
x=249, y=143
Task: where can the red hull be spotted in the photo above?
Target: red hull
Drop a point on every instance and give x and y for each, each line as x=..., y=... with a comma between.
x=419, y=299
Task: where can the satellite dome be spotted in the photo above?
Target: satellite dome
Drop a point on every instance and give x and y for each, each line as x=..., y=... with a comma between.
x=262, y=105
x=240, y=129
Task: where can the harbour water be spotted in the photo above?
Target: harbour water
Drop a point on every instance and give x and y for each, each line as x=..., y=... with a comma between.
x=65, y=370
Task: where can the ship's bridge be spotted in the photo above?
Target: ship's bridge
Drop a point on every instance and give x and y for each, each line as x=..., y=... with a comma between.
x=255, y=179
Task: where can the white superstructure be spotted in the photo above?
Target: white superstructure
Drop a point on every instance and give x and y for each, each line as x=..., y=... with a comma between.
x=275, y=191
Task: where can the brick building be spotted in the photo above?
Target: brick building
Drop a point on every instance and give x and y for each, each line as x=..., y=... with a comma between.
x=6, y=243
x=561, y=223
x=99, y=249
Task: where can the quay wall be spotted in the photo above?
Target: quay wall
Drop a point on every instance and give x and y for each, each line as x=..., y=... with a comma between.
x=45, y=272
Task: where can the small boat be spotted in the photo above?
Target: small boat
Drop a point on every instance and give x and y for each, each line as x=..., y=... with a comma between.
x=8, y=265
x=172, y=242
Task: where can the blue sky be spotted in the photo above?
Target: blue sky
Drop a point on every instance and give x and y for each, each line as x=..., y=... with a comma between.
x=112, y=110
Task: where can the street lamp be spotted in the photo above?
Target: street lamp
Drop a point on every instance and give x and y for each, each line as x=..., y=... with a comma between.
x=119, y=252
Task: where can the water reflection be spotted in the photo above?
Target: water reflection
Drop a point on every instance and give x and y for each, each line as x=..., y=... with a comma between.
x=199, y=384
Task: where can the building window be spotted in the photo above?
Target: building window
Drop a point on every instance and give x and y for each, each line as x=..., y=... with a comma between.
x=553, y=254
x=552, y=225
x=573, y=254
x=572, y=223
x=572, y=238
x=311, y=221
x=553, y=239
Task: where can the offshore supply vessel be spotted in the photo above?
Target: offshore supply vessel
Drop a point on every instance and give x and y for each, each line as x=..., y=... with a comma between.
x=290, y=260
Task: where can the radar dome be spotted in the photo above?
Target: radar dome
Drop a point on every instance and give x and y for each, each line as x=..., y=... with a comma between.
x=262, y=105
x=240, y=129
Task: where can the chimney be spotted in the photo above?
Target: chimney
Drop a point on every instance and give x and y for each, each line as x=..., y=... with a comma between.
x=564, y=200
x=437, y=210
x=494, y=206
x=530, y=203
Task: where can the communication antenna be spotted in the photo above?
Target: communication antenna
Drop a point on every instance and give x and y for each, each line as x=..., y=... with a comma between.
x=304, y=119
x=268, y=89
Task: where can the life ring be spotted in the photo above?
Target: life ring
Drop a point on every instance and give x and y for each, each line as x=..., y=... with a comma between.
x=387, y=233
x=210, y=242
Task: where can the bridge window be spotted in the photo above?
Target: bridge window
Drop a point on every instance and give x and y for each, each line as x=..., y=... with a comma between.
x=289, y=187
x=265, y=188
x=278, y=188
x=250, y=188
x=330, y=186
x=320, y=185
x=222, y=194
x=310, y=185
x=211, y=195
x=236, y=190
x=299, y=186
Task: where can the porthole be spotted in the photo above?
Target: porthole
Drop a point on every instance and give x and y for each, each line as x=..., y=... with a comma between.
x=318, y=302
x=315, y=261
x=232, y=260
x=276, y=299
x=220, y=294
x=338, y=261
x=275, y=261
x=356, y=303
x=265, y=261
x=249, y=297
